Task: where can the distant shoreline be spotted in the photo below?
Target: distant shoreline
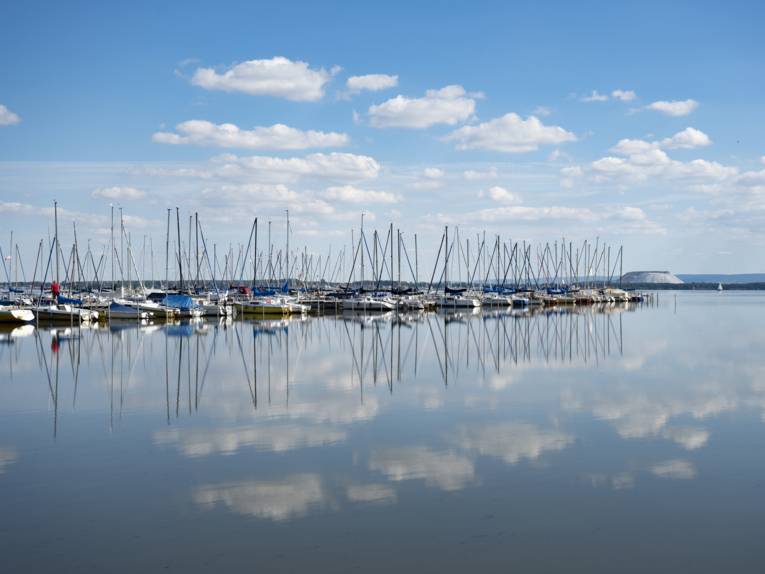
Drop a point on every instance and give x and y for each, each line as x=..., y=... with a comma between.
x=697, y=286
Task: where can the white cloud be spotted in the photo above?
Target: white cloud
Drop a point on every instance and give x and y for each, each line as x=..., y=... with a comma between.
x=510, y=133
x=433, y=172
x=532, y=214
x=7, y=117
x=569, y=174
x=277, y=136
x=502, y=195
x=571, y=171
x=82, y=218
x=278, y=77
x=687, y=139
x=674, y=108
x=625, y=219
x=448, y=105
x=118, y=193
x=623, y=95
x=351, y=194
x=473, y=175
x=371, y=83
x=333, y=165
x=542, y=111
x=675, y=469
x=426, y=184
x=244, y=199
x=637, y=160
x=595, y=97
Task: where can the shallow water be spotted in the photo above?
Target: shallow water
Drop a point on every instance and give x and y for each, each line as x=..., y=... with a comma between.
x=607, y=440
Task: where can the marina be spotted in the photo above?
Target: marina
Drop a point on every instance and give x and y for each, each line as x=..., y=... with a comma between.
x=507, y=275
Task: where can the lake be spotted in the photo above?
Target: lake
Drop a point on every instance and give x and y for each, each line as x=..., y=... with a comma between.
x=604, y=439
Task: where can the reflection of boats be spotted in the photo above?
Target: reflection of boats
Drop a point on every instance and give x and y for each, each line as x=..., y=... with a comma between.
x=368, y=305
x=271, y=306
x=8, y=336
x=457, y=302
x=16, y=315
x=456, y=312
x=369, y=319
x=410, y=303
x=65, y=313
x=119, y=310
x=495, y=300
x=269, y=327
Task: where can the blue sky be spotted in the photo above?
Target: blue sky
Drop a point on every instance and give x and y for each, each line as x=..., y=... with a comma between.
x=637, y=123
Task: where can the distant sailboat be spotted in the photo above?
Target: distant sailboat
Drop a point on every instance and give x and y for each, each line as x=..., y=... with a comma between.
x=719, y=287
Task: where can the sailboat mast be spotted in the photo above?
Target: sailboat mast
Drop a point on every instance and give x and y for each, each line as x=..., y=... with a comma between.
x=180, y=258
x=446, y=257
x=287, y=253
x=55, y=239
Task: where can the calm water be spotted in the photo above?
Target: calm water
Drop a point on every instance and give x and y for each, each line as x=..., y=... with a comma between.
x=630, y=440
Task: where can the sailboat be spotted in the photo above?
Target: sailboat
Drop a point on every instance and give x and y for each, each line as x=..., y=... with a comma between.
x=15, y=315
x=719, y=287
x=454, y=298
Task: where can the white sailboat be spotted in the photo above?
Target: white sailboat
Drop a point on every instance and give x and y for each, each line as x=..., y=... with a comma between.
x=15, y=315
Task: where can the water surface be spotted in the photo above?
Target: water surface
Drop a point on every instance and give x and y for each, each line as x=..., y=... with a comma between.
x=624, y=439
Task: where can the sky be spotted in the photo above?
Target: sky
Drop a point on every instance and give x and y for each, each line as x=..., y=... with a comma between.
x=639, y=124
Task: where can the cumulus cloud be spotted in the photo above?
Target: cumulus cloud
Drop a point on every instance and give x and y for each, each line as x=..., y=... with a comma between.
x=333, y=165
x=627, y=219
x=118, y=193
x=623, y=95
x=510, y=133
x=473, y=175
x=433, y=172
x=674, y=108
x=687, y=139
x=277, y=136
x=449, y=105
x=7, y=117
x=371, y=83
x=82, y=218
x=638, y=160
x=244, y=198
x=569, y=174
x=501, y=195
x=351, y=194
x=279, y=77
x=595, y=97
